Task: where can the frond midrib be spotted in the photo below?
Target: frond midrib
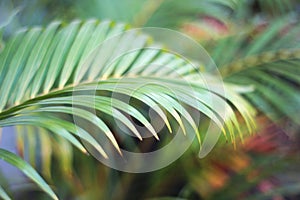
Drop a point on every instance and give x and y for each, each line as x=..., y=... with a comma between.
x=258, y=60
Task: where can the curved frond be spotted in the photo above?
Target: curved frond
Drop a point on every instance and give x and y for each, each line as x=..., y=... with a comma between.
x=26, y=169
x=3, y=194
x=269, y=61
x=49, y=75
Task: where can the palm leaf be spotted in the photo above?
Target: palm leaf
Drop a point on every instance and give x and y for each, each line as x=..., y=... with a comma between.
x=269, y=61
x=27, y=169
x=3, y=194
x=48, y=75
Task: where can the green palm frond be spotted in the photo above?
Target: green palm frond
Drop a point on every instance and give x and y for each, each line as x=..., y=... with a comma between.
x=254, y=44
x=277, y=87
x=41, y=69
x=26, y=169
x=3, y=194
x=268, y=60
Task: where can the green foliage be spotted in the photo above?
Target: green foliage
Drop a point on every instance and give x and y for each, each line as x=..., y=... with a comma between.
x=27, y=169
x=268, y=60
x=41, y=67
x=48, y=74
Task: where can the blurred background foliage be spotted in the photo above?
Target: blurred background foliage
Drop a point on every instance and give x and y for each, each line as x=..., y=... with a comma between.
x=253, y=42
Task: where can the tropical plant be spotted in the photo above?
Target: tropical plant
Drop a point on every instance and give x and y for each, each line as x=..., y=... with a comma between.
x=41, y=69
x=54, y=76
